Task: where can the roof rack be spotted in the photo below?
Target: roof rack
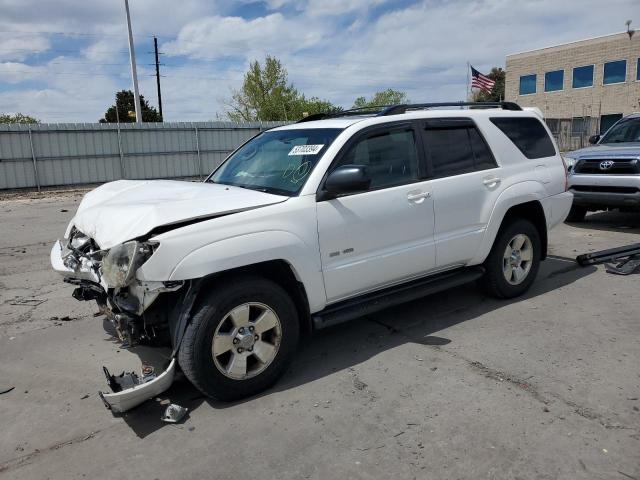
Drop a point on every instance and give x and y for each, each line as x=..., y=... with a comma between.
x=385, y=110
x=370, y=110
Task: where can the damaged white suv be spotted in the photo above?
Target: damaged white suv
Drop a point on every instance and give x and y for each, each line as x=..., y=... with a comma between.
x=309, y=225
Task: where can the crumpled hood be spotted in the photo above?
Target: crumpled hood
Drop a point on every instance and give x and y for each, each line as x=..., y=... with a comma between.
x=607, y=150
x=125, y=209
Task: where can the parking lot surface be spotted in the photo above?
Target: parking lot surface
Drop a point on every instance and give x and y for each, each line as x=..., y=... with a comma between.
x=453, y=386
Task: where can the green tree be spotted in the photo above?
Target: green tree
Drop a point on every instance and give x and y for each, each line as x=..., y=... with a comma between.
x=383, y=97
x=497, y=92
x=17, y=118
x=127, y=109
x=267, y=95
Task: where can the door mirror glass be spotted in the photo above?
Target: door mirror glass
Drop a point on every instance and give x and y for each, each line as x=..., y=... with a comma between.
x=347, y=179
x=593, y=139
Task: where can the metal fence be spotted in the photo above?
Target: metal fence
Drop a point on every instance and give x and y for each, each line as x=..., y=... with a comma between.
x=573, y=133
x=73, y=154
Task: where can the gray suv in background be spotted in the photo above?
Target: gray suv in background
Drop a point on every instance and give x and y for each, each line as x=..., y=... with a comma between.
x=606, y=175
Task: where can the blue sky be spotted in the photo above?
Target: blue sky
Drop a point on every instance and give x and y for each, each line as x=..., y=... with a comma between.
x=63, y=60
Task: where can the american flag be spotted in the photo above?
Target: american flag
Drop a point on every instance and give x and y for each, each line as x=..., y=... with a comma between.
x=481, y=81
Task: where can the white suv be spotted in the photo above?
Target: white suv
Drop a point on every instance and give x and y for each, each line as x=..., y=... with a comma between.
x=309, y=225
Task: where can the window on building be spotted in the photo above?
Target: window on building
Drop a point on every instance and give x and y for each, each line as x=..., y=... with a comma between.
x=607, y=121
x=553, y=81
x=638, y=70
x=527, y=134
x=583, y=76
x=527, y=84
x=615, y=72
x=457, y=150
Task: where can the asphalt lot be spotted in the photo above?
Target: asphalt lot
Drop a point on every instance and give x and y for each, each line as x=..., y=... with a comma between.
x=453, y=386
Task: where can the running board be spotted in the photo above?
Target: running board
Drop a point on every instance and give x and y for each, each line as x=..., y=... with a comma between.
x=603, y=256
x=381, y=299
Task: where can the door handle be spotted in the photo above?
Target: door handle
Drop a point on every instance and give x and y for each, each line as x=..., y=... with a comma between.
x=491, y=181
x=417, y=196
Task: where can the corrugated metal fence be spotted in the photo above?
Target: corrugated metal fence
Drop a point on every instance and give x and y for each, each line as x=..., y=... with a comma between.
x=72, y=154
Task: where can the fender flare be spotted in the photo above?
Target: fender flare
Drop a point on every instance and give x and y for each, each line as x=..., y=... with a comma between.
x=512, y=196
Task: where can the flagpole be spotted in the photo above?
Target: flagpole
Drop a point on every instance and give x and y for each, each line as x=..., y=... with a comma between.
x=468, y=71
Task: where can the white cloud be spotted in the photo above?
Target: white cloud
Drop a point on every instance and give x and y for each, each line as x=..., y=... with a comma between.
x=218, y=37
x=338, y=7
x=20, y=46
x=333, y=49
x=15, y=72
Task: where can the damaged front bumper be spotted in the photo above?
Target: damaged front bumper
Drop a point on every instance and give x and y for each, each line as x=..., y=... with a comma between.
x=130, y=390
x=140, y=313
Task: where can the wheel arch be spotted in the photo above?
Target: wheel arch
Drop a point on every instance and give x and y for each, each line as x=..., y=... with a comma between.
x=533, y=212
x=522, y=200
x=280, y=272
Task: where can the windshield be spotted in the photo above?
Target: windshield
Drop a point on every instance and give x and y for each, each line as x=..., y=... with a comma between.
x=277, y=161
x=623, y=131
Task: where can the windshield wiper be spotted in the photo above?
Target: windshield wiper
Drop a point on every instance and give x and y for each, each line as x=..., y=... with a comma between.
x=271, y=190
x=257, y=188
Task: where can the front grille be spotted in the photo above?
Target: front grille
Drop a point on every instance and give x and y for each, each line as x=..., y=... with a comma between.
x=621, y=166
x=604, y=188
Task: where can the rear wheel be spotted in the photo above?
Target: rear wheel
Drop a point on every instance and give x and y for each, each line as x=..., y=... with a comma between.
x=514, y=260
x=576, y=214
x=240, y=339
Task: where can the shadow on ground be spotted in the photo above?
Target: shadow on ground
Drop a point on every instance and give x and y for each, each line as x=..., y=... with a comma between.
x=613, y=221
x=346, y=345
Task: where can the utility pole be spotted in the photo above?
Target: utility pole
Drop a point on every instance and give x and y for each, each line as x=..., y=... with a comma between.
x=134, y=72
x=155, y=47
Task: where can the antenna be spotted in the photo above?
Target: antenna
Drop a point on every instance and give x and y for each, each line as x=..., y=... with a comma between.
x=630, y=31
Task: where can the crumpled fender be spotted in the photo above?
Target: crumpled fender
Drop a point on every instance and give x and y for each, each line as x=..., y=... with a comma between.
x=516, y=194
x=249, y=249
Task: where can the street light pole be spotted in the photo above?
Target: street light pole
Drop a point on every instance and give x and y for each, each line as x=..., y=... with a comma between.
x=134, y=72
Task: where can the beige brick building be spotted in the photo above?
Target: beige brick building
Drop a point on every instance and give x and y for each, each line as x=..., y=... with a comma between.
x=581, y=87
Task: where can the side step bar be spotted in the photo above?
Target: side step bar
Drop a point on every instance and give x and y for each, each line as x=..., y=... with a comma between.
x=607, y=255
x=375, y=301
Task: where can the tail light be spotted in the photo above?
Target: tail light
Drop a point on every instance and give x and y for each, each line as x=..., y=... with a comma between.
x=566, y=174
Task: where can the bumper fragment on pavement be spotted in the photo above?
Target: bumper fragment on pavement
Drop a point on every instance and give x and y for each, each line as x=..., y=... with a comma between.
x=130, y=390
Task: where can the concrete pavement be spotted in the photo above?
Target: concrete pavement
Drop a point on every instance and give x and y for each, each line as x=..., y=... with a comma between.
x=455, y=385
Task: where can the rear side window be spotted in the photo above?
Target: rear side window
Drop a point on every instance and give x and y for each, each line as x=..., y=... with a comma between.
x=527, y=134
x=457, y=150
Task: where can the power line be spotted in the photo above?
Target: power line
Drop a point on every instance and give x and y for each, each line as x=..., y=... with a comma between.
x=74, y=34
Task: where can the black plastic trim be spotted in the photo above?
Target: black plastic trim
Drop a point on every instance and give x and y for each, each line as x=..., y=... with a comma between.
x=381, y=299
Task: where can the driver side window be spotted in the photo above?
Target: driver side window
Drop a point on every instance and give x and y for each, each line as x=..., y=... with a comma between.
x=390, y=156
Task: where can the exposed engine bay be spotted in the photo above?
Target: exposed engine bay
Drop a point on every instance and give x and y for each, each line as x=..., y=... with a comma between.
x=108, y=276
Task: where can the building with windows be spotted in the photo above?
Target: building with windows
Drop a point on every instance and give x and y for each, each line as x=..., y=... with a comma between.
x=581, y=87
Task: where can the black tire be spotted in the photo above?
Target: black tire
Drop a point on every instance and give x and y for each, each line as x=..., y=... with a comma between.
x=494, y=281
x=195, y=353
x=576, y=214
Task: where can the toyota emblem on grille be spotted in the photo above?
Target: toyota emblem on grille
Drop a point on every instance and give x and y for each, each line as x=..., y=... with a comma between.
x=606, y=165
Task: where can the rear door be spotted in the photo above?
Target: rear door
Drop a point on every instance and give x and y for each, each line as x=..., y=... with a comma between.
x=384, y=235
x=466, y=184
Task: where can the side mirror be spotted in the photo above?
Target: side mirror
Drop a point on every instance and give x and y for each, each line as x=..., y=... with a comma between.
x=346, y=179
x=593, y=139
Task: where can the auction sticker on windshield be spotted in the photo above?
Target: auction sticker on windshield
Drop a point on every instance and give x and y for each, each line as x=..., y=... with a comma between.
x=306, y=149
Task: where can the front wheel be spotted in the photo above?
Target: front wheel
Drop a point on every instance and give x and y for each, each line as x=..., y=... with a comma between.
x=514, y=260
x=240, y=339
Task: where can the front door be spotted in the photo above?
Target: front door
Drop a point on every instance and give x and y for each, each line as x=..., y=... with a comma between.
x=372, y=239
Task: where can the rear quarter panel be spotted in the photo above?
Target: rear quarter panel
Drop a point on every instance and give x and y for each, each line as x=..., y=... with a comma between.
x=523, y=179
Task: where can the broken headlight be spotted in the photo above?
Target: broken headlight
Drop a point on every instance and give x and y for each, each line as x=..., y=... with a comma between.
x=121, y=262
